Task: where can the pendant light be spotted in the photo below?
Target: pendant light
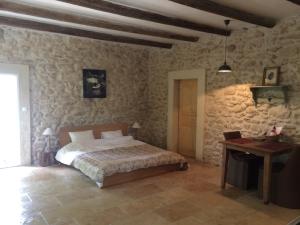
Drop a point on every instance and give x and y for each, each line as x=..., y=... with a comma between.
x=225, y=68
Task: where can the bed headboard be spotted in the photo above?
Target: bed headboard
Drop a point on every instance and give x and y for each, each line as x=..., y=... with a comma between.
x=64, y=137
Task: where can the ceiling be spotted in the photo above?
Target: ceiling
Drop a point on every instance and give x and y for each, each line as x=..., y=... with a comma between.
x=128, y=25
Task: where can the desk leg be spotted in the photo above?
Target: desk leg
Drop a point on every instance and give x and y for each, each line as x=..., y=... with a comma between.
x=267, y=178
x=224, y=166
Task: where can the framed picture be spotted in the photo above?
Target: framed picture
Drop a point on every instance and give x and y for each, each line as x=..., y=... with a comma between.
x=94, y=83
x=271, y=76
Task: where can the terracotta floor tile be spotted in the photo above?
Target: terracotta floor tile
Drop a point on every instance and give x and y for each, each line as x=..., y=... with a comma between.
x=105, y=217
x=142, y=191
x=190, y=221
x=143, y=219
x=142, y=205
x=63, y=196
x=177, y=211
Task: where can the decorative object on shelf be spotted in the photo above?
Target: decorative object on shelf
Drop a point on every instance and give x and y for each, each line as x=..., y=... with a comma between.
x=94, y=83
x=271, y=76
x=269, y=92
x=225, y=68
x=135, y=128
x=48, y=132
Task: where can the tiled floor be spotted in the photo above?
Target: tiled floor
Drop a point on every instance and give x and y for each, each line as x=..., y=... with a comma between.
x=63, y=196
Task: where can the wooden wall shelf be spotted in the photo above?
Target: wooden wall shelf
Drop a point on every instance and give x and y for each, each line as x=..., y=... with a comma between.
x=256, y=90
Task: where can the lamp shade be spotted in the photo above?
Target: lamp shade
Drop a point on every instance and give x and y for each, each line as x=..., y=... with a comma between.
x=48, y=132
x=225, y=68
x=136, y=125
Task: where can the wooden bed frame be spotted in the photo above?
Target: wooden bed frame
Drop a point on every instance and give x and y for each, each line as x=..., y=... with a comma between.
x=118, y=178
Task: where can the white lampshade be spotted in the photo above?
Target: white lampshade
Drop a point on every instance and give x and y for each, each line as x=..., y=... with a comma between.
x=136, y=125
x=48, y=132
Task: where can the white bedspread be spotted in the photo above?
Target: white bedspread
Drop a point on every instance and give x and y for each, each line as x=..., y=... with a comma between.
x=68, y=153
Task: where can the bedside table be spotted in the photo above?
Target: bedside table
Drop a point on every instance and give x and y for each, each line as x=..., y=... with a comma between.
x=46, y=158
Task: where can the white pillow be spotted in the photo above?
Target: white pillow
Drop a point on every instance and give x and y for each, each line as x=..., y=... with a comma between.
x=111, y=134
x=82, y=136
x=117, y=140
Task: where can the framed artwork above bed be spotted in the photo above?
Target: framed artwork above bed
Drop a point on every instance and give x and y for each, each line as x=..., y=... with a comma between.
x=94, y=83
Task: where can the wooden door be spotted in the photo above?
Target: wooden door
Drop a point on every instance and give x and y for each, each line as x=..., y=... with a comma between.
x=187, y=117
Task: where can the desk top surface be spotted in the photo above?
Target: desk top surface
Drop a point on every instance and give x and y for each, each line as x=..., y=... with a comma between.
x=263, y=147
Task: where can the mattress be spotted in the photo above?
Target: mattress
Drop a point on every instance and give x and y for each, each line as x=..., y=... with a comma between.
x=104, y=157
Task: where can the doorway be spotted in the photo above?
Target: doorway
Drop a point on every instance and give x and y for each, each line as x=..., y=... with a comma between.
x=186, y=95
x=187, y=117
x=14, y=116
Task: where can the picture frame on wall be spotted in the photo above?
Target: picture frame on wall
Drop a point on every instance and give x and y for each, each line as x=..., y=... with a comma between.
x=94, y=83
x=271, y=76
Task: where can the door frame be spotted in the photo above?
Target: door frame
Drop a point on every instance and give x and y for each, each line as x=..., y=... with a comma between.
x=172, y=135
x=22, y=72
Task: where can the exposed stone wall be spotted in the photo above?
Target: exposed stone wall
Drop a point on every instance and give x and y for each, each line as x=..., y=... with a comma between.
x=229, y=104
x=137, y=81
x=56, y=63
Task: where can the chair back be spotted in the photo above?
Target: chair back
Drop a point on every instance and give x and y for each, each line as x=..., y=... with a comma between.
x=232, y=135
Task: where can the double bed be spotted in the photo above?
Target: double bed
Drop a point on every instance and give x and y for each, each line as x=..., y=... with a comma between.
x=114, y=160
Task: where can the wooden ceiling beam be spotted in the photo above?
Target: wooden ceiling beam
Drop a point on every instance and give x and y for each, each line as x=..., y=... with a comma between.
x=222, y=10
x=16, y=22
x=126, y=11
x=297, y=2
x=45, y=13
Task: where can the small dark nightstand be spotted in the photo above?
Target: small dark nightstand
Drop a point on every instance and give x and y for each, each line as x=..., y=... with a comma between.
x=46, y=158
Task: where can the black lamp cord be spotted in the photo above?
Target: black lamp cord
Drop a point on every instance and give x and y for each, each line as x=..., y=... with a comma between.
x=226, y=24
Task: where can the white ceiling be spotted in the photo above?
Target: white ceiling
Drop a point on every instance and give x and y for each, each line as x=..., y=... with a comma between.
x=276, y=9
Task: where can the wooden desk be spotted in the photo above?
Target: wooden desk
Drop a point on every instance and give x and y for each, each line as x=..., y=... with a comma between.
x=264, y=149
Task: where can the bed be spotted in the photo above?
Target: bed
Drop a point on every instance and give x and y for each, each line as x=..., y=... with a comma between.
x=115, y=160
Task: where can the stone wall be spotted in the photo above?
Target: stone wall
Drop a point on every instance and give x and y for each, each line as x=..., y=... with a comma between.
x=56, y=63
x=137, y=81
x=229, y=104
